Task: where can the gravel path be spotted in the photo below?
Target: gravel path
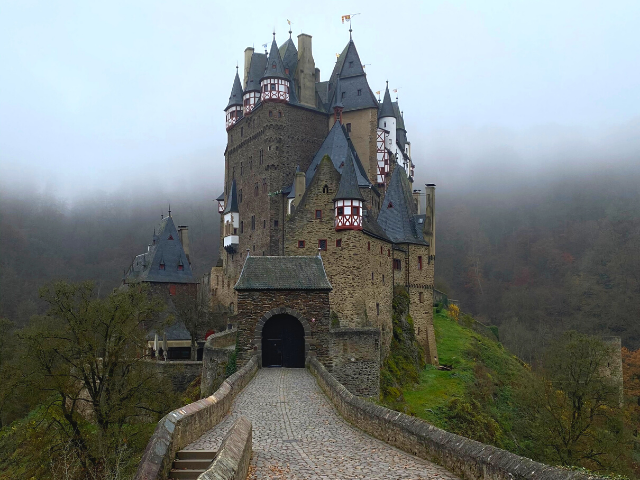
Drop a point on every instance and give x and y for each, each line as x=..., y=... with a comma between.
x=297, y=434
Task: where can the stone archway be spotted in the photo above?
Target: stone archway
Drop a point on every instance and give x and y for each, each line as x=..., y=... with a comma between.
x=278, y=316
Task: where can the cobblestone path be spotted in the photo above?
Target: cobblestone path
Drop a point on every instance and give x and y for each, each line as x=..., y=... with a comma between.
x=297, y=434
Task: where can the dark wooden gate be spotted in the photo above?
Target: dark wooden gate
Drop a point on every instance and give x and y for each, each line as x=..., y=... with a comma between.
x=283, y=342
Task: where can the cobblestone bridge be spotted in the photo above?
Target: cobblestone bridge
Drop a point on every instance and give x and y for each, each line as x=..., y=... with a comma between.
x=297, y=434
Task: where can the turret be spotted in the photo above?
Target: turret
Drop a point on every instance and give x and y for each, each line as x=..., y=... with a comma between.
x=255, y=70
x=220, y=201
x=234, y=107
x=231, y=221
x=347, y=203
x=387, y=120
x=274, y=84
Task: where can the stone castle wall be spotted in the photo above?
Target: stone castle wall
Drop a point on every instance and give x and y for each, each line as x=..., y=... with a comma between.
x=354, y=360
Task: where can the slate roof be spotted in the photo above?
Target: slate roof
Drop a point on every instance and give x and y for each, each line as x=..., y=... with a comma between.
x=398, y=215
x=256, y=70
x=220, y=198
x=337, y=145
x=348, y=189
x=236, y=92
x=337, y=98
x=274, y=67
x=386, y=109
x=322, y=89
x=231, y=205
x=398, y=114
x=283, y=273
x=289, y=54
x=370, y=225
x=352, y=79
x=166, y=249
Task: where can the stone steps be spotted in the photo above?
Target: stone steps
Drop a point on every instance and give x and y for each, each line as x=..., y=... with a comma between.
x=190, y=464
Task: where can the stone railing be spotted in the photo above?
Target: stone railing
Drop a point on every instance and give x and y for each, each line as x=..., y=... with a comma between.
x=186, y=424
x=467, y=458
x=234, y=456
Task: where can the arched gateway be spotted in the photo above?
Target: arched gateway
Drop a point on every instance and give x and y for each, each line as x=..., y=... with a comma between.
x=283, y=310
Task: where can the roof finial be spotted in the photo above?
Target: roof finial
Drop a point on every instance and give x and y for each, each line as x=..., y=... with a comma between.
x=161, y=216
x=274, y=34
x=236, y=66
x=169, y=209
x=289, y=22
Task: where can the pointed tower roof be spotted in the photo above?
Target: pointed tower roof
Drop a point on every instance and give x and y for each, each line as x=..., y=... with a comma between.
x=398, y=217
x=348, y=189
x=398, y=114
x=337, y=98
x=274, y=67
x=337, y=145
x=167, y=250
x=386, y=110
x=289, y=54
x=235, y=99
x=256, y=70
x=231, y=205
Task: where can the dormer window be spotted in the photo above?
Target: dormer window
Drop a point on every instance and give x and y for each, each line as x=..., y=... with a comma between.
x=344, y=94
x=350, y=64
x=180, y=267
x=273, y=65
x=170, y=237
x=286, y=70
x=162, y=266
x=390, y=205
x=359, y=92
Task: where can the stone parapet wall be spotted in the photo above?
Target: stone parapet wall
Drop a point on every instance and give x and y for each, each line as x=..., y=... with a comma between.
x=467, y=458
x=179, y=373
x=223, y=339
x=355, y=359
x=233, y=458
x=186, y=424
x=214, y=367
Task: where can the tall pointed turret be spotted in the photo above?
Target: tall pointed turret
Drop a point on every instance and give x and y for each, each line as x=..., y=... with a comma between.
x=274, y=84
x=347, y=203
x=234, y=107
x=252, y=89
x=231, y=220
x=387, y=120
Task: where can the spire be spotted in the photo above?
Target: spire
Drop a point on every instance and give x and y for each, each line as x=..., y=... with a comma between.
x=231, y=205
x=386, y=110
x=274, y=67
x=235, y=99
x=337, y=98
x=348, y=189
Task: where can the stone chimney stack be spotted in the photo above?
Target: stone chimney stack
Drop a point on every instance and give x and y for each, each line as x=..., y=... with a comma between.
x=430, y=221
x=306, y=71
x=317, y=75
x=300, y=183
x=247, y=63
x=416, y=200
x=183, y=234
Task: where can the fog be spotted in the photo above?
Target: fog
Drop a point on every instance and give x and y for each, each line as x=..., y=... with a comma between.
x=128, y=97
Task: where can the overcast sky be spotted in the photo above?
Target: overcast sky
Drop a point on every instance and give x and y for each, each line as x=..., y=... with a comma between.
x=109, y=95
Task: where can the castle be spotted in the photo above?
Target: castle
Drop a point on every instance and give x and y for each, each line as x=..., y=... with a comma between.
x=320, y=168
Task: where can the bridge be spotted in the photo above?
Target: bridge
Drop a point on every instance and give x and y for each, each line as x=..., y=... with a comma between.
x=286, y=423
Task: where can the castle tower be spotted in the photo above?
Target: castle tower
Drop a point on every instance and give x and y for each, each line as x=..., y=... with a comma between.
x=231, y=220
x=387, y=120
x=347, y=203
x=254, y=66
x=234, y=107
x=274, y=84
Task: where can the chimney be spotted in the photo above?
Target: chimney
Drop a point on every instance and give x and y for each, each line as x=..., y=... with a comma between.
x=300, y=183
x=317, y=75
x=416, y=201
x=430, y=222
x=306, y=71
x=247, y=63
x=183, y=234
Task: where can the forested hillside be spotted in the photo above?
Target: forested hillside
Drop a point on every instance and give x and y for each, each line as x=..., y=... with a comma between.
x=543, y=257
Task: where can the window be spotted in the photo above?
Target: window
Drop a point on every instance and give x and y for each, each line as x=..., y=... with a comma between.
x=273, y=87
x=162, y=266
x=390, y=205
x=275, y=223
x=286, y=70
x=388, y=252
x=241, y=226
x=397, y=264
x=359, y=92
x=241, y=169
x=271, y=115
x=241, y=131
x=319, y=214
x=180, y=267
x=383, y=278
x=170, y=237
x=172, y=289
x=264, y=186
x=368, y=245
x=256, y=189
x=385, y=124
x=350, y=64
x=380, y=249
x=231, y=308
x=322, y=245
x=355, y=211
x=264, y=224
x=339, y=242
x=300, y=243
x=419, y=262
x=253, y=222
x=344, y=94
x=420, y=297
x=273, y=65
x=378, y=308
x=348, y=128
x=372, y=276
x=261, y=156
x=279, y=114
x=340, y=210
x=325, y=189
x=240, y=195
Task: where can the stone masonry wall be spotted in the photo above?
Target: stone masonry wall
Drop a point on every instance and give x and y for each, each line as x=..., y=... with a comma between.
x=360, y=270
x=312, y=306
x=355, y=360
x=467, y=458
